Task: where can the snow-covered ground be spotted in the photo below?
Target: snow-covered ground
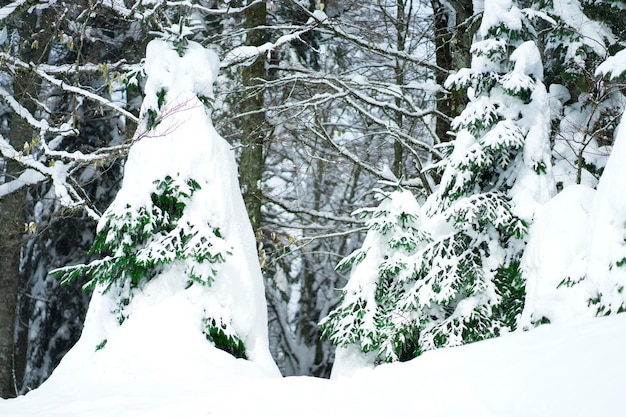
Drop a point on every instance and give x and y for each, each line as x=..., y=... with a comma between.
x=575, y=369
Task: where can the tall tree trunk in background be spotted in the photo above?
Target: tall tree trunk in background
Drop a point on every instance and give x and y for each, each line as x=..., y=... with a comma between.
x=453, y=39
x=401, y=31
x=11, y=232
x=253, y=129
x=12, y=220
x=13, y=206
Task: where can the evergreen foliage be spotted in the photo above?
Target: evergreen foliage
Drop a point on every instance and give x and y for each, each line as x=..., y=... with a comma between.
x=143, y=237
x=223, y=337
x=368, y=313
x=139, y=241
x=456, y=279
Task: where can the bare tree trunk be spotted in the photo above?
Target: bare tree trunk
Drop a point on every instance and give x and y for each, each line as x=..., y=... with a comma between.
x=12, y=220
x=453, y=40
x=401, y=30
x=251, y=163
x=11, y=232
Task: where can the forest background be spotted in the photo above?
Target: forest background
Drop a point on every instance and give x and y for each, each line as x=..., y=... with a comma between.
x=321, y=100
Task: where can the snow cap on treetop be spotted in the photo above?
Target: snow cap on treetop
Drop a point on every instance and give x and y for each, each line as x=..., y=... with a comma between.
x=194, y=72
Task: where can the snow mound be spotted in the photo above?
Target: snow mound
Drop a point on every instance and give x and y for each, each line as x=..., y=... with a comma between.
x=573, y=370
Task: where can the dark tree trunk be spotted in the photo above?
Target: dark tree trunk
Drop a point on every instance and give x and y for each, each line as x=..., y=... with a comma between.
x=12, y=220
x=401, y=30
x=453, y=39
x=11, y=232
x=251, y=163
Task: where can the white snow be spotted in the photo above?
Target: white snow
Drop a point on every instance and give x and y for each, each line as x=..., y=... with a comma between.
x=10, y=8
x=527, y=59
x=593, y=33
x=555, y=251
x=500, y=12
x=532, y=189
x=614, y=66
x=567, y=370
x=580, y=239
x=607, y=240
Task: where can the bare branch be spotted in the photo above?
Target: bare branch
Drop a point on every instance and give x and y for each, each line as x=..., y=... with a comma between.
x=66, y=87
x=310, y=212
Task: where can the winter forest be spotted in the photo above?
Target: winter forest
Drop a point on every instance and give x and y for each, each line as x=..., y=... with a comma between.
x=214, y=193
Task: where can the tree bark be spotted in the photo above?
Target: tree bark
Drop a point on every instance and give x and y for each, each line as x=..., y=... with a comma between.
x=401, y=30
x=251, y=163
x=13, y=206
x=453, y=39
x=11, y=232
x=12, y=220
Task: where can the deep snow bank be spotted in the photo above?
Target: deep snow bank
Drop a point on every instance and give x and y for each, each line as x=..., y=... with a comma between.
x=569, y=370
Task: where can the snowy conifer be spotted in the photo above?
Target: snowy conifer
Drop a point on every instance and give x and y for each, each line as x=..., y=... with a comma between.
x=178, y=226
x=495, y=178
x=366, y=319
x=586, y=110
x=459, y=280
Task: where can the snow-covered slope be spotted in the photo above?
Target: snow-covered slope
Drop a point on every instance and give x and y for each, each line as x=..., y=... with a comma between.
x=569, y=370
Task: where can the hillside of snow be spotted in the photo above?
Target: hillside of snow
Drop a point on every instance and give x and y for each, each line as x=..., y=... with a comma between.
x=555, y=370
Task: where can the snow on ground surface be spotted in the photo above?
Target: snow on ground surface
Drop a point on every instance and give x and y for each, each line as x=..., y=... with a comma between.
x=574, y=369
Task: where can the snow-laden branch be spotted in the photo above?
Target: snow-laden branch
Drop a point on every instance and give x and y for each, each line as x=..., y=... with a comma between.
x=334, y=28
x=353, y=93
x=10, y=59
x=91, y=96
x=133, y=12
x=41, y=125
x=346, y=153
x=28, y=177
x=44, y=128
x=392, y=128
x=10, y=8
x=613, y=66
x=383, y=174
x=214, y=12
x=65, y=69
x=247, y=54
x=358, y=89
x=36, y=172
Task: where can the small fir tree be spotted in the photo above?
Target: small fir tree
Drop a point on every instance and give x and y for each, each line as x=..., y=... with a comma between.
x=496, y=176
x=367, y=315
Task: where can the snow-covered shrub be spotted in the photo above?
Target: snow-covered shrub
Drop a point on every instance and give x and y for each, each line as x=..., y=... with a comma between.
x=575, y=262
x=178, y=226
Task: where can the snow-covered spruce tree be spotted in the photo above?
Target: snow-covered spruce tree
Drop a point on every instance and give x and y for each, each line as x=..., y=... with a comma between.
x=495, y=178
x=578, y=36
x=459, y=281
x=178, y=228
x=366, y=326
x=582, y=231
